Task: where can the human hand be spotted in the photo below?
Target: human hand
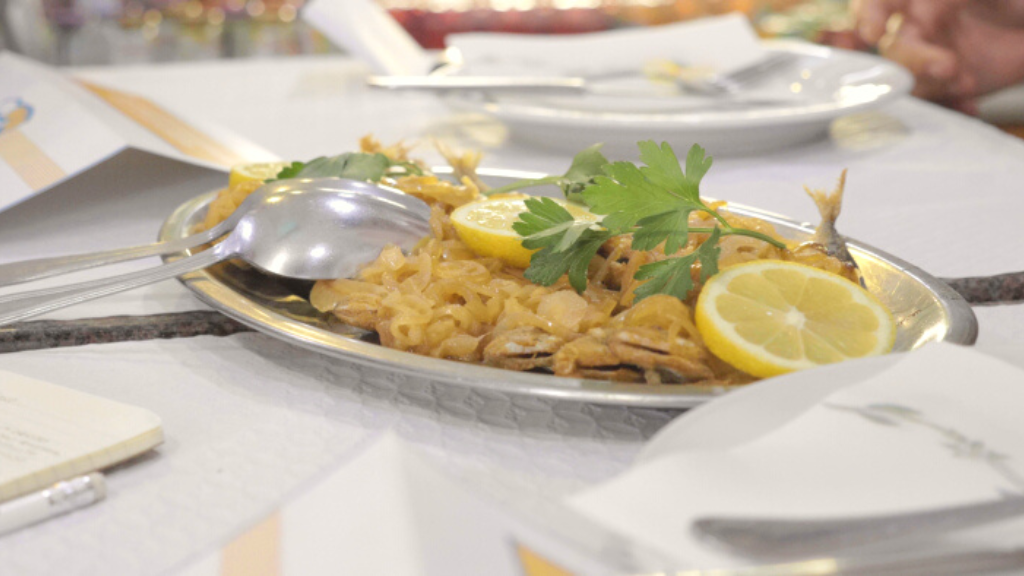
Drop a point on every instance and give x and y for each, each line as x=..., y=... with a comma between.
x=956, y=49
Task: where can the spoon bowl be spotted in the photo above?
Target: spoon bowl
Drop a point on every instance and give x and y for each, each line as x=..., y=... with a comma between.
x=327, y=228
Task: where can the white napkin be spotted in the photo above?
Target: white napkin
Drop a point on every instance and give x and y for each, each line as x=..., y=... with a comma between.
x=940, y=427
x=54, y=130
x=719, y=44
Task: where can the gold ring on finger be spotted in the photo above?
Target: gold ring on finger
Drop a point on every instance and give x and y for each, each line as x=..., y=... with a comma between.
x=892, y=31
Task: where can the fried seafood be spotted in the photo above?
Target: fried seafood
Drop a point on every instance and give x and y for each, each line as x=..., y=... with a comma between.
x=826, y=239
x=445, y=301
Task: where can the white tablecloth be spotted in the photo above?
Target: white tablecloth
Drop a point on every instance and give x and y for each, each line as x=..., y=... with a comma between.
x=249, y=419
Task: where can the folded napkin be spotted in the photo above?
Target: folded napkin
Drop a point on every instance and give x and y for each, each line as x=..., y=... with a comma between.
x=54, y=130
x=718, y=44
x=365, y=29
x=937, y=427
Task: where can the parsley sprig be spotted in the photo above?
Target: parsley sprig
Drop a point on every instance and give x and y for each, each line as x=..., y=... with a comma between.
x=587, y=165
x=352, y=165
x=652, y=202
x=566, y=246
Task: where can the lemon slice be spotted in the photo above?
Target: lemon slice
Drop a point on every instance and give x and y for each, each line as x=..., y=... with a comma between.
x=256, y=171
x=770, y=317
x=486, y=227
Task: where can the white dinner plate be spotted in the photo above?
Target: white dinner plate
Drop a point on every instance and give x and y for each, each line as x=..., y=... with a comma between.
x=821, y=85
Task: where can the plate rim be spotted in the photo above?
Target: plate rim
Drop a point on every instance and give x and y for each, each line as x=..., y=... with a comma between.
x=963, y=329
x=720, y=120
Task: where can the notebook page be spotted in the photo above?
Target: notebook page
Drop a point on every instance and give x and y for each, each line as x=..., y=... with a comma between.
x=49, y=433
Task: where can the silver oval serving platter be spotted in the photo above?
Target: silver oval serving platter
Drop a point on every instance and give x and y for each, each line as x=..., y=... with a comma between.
x=925, y=308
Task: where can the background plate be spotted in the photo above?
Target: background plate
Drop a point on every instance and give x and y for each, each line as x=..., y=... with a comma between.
x=925, y=308
x=831, y=83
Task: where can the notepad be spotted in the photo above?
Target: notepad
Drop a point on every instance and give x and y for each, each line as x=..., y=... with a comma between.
x=49, y=433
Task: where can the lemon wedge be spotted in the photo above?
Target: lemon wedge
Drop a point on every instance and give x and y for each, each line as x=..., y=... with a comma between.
x=486, y=227
x=771, y=317
x=256, y=171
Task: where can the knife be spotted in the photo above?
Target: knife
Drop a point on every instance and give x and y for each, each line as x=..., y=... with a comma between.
x=557, y=86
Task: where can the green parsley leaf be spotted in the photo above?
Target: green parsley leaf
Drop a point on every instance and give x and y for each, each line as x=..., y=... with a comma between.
x=587, y=164
x=673, y=276
x=542, y=215
x=663, y=169
x=584, y=168
x=670, y=277
x=566, y=246
x=547, y=266
x=672, y=228
x=287, y=172
x=658, y=197
x=708, y=253
x=625, y=196
x=352, y=165
x=652, y=202
x=572, y=234
x=547, y=223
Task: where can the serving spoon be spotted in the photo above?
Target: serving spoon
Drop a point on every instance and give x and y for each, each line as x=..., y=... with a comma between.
x=37, y=269
x=40, y=268
x=311, y=229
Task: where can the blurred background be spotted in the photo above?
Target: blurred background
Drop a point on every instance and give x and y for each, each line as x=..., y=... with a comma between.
x=125, y=32
x=97, y=32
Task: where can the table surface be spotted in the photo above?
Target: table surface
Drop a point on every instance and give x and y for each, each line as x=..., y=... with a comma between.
x=933, y=187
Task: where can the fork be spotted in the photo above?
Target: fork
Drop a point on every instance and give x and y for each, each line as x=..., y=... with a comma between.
x=730, y=84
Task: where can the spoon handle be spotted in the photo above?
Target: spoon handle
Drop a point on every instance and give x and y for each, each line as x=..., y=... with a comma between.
x=31, y=304
x=24, y=271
